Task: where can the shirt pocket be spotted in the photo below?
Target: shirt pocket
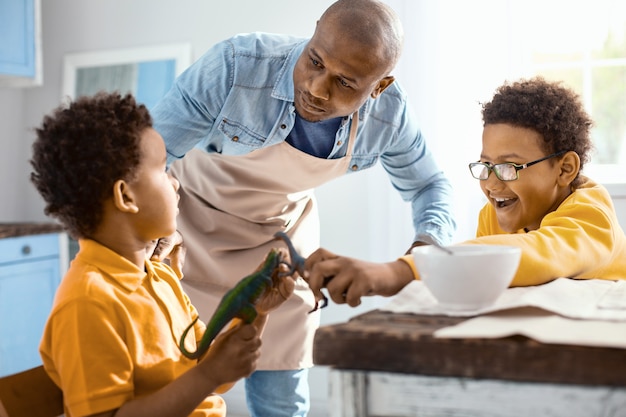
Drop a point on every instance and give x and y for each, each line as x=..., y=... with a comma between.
x=239, y=136
x=359, y=163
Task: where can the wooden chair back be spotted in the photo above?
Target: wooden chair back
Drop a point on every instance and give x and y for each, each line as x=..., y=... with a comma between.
x=30, y=393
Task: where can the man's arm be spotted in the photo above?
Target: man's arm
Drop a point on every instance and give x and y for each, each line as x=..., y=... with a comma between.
x=186, y=114
x=416, y=175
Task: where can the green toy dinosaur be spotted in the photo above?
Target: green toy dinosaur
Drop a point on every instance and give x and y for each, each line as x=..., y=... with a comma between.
x=239, y=302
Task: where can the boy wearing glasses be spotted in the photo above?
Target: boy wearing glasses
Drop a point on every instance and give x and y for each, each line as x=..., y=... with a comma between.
x=536, y=140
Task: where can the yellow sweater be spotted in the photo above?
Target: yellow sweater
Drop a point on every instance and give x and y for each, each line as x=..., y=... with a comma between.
x=580, y=239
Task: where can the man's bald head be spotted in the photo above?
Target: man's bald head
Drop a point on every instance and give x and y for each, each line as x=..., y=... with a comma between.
x=370, y=23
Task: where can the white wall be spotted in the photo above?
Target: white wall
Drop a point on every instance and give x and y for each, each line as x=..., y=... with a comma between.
x=13, y=154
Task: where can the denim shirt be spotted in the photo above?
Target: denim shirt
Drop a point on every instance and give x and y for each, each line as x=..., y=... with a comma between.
x=239, y=97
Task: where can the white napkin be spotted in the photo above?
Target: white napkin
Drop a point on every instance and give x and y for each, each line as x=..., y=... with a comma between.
x=564, y=311
x=542, y=326
x=593, y=299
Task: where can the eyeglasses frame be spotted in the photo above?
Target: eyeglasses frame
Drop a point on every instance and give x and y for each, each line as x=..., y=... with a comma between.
x=518, y=167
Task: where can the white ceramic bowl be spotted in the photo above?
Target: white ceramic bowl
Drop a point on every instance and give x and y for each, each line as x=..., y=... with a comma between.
x=473, y=277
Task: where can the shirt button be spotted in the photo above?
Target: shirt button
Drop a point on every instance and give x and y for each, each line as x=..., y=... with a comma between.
x=235, y=138
x=283, y=126
x=339, y=143
x=354, y=167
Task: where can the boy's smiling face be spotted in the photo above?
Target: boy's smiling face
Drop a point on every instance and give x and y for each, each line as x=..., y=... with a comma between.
x=540, y=188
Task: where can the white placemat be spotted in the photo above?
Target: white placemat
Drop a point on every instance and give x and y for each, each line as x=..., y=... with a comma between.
x=595, y=299
x=564, y=311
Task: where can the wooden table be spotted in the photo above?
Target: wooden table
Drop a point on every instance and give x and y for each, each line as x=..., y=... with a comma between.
x=388, y=364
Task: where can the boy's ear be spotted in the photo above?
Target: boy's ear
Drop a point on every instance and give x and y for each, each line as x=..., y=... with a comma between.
x=382, y=85
x=570, y=166
x=123, y=197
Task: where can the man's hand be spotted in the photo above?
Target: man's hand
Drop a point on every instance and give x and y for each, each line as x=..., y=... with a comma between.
x=171, y=248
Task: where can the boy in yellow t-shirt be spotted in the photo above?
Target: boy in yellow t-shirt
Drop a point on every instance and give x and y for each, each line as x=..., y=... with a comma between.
x=536, y=140
x=111, y=341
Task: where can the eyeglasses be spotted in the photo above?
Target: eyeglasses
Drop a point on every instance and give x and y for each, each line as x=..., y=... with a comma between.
x=507, y=171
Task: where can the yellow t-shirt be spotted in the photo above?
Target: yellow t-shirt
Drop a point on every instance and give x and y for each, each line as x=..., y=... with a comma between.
x=581, y=239
x=113, y=333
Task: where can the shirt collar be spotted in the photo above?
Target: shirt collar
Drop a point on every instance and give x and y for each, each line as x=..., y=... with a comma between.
x=112, y=264
x=284, y=84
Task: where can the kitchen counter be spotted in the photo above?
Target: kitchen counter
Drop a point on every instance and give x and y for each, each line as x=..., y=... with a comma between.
x=28, y=228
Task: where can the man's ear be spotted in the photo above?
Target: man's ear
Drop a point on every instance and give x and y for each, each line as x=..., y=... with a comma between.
x=123, y=197
x=382, y=85
x=570, y=166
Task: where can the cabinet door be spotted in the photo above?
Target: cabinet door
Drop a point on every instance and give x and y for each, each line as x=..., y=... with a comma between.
x=20, y=53
x=27, y=287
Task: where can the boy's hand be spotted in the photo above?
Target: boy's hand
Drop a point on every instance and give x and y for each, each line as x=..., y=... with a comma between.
x=233, y=354
x=347, y=280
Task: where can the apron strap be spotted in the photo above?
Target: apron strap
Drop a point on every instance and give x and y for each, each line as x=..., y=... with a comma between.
x=354, y=126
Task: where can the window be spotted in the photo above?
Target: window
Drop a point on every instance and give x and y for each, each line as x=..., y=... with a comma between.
x=457, y=52
x=147, y=72
x=583, y=44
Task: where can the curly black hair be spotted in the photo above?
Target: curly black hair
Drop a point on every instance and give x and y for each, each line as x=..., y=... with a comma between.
x=554, y=111
x=80, y=151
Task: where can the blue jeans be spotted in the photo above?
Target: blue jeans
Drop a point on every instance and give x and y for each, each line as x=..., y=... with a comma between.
x=278, y=393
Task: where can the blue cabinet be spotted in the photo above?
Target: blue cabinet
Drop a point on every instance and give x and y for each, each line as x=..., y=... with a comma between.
x=30, y=272
x=20, y=43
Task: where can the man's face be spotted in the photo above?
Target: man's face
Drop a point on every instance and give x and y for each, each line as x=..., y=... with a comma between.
x=334, y=76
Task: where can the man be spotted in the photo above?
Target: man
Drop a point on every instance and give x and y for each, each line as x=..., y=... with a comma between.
x=254, y=126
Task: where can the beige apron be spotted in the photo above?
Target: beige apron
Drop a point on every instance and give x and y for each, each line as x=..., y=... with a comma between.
x=230, y=208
